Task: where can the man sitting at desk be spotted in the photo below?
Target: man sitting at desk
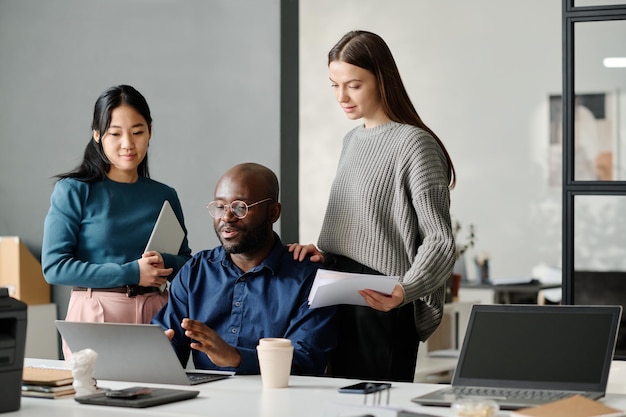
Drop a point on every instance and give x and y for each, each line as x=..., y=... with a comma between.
x=225, y=299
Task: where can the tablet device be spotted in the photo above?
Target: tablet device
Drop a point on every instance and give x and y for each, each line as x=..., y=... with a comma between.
x=154, y=396
x=167, y=234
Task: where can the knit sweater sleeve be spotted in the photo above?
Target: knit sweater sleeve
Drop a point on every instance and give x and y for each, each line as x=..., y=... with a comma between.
x=424, y=282
x=433, y=263
x=426, y=169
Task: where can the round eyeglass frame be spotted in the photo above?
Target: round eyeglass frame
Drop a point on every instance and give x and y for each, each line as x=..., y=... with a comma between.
x=219, y=212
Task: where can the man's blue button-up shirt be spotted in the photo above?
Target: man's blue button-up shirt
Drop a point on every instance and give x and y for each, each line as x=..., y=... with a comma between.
x=271, y=300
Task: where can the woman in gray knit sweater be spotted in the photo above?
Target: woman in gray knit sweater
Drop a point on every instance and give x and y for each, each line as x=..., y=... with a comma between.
x=388, y=213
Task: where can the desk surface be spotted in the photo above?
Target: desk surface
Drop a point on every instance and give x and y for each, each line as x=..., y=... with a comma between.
x=241, y=396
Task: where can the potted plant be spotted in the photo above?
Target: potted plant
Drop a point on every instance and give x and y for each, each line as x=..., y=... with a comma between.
x=459, y=273
x=470, y=239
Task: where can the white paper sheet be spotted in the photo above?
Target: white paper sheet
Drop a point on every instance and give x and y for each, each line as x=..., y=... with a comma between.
x=332, y=288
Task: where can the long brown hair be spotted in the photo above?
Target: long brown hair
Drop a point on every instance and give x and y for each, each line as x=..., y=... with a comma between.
x=370, y=52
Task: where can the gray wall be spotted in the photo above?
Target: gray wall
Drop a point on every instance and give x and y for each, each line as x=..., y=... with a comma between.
x=210, y=70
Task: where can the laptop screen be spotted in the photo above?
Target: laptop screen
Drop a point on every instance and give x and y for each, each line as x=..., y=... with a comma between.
x=538, y=347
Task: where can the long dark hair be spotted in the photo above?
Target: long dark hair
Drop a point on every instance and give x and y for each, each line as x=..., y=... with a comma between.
x=95, y=164
x=370, y=52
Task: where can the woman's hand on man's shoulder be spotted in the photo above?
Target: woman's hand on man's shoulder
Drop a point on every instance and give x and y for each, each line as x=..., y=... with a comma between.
x=300, y=252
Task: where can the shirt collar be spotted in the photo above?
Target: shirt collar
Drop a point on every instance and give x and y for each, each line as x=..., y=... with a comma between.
x=272, y=261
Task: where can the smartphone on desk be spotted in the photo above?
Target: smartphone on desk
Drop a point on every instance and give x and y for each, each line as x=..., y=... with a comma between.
x=128, y=393
x=365, y=387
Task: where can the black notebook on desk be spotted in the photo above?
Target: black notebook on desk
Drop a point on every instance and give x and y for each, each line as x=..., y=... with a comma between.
x=527, y=355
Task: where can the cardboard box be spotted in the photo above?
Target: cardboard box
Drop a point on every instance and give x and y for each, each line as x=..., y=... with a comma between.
x=21, y=272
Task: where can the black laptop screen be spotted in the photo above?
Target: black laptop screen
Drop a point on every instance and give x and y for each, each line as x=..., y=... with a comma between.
x=565, y=347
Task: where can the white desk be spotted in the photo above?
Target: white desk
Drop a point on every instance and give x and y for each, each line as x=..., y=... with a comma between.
x=241, y=396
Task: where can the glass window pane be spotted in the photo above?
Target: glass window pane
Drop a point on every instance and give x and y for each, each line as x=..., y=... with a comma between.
x=600, y=255
x=600, y=233
x=581, y=3
x=598, y=119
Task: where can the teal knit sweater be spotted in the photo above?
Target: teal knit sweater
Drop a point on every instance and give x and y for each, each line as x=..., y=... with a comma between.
x=95, y=233
x=389, y=209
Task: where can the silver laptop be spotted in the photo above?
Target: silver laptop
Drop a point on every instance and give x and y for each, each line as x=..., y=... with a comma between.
x=527, y=355
x=133, y=352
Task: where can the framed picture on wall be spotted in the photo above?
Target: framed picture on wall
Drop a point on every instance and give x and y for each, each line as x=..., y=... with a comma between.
x=595, y=146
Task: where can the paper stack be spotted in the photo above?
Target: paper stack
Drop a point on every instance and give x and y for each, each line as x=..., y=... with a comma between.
x=47, y=382
x=332, y=287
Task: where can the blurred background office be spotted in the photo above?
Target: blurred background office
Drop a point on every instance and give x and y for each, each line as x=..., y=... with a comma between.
x=247, y=80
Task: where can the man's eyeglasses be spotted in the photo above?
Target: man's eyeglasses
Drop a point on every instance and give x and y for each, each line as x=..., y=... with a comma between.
x=217, y=209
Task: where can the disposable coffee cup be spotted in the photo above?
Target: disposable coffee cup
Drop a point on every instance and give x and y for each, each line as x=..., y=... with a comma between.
x=274, y=342
x=275, y=357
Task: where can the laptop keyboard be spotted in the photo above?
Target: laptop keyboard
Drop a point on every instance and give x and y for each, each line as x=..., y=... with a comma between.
x=199, y=378
x=521, y=394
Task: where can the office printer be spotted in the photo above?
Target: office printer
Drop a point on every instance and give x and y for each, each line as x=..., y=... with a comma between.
x=12, y=345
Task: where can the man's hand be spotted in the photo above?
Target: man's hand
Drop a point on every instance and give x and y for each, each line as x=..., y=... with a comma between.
x=206, y=340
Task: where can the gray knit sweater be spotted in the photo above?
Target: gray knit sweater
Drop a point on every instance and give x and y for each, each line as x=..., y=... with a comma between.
x=389, y=209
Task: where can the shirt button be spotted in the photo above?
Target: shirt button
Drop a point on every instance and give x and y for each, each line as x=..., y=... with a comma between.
x=233, y=330
x=237, y=304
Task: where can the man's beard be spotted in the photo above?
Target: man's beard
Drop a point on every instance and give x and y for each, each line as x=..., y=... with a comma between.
x=251, y=240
